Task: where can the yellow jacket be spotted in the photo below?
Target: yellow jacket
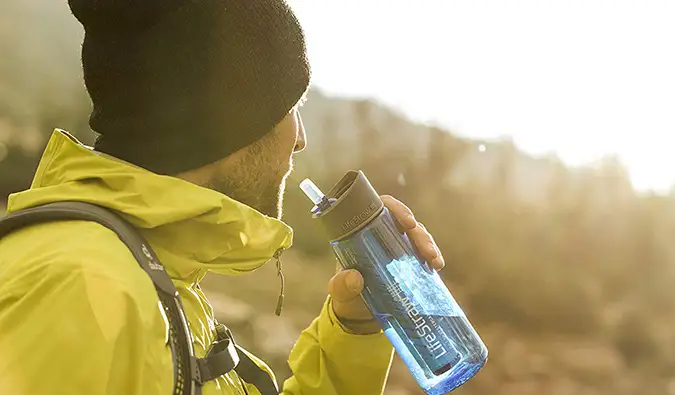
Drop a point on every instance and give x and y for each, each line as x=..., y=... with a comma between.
x=79, y=316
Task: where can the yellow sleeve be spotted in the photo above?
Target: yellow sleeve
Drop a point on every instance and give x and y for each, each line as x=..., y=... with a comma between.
x=327, y=360
x=77, y=332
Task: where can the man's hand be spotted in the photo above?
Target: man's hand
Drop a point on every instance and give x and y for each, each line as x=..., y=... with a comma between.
x=346, y=286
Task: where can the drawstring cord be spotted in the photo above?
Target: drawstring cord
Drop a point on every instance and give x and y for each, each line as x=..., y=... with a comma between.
x=280, y=273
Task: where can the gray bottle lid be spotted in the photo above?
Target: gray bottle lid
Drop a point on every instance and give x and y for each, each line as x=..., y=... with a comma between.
x=354, y=204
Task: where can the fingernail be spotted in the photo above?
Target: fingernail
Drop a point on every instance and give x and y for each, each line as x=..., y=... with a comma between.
x=354, y=281
x=409, y=222
x=438, y=263
x=433, y=250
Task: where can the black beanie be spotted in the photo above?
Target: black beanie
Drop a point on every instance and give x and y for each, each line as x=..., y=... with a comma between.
x=178, y=84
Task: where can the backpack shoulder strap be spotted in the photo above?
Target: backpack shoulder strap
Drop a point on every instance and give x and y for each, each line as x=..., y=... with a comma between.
x=69, y=211
x=185, y=368
x=248, y=370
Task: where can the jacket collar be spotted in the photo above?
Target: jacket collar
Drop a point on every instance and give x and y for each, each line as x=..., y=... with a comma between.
x=192, y=229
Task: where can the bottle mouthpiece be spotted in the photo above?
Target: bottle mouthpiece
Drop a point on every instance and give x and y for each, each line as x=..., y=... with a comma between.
x=312, y=191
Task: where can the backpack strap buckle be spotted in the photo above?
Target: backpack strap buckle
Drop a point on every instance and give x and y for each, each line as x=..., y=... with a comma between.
x=221, y=359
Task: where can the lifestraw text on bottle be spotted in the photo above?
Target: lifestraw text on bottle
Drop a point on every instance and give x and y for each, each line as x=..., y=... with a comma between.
x=359, y=217
x=430, y=332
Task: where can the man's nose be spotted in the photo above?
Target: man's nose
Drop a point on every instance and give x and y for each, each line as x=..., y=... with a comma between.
x=301, y=141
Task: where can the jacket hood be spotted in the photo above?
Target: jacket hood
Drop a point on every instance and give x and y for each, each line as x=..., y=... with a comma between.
x=192, y=229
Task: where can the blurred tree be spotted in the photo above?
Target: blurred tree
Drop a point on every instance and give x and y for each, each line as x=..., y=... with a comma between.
x=369, y=136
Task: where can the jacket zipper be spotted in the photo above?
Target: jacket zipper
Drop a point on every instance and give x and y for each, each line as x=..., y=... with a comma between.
x=280, y=273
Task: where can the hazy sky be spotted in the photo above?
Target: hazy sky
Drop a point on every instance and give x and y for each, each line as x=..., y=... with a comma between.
x=582, y=78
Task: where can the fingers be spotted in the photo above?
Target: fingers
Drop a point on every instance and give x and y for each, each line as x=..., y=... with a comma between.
x=345, y=289
x=426, y=246
x=401, y=213
x=416, y=231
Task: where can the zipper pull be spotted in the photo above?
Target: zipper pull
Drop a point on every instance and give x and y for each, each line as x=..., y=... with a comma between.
x=280, y=300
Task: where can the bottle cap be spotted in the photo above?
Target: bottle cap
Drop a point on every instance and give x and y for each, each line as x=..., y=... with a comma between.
x=353, y=204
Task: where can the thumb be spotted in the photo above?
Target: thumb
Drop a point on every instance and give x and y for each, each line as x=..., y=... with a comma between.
x=345, y=290
x=346, y=286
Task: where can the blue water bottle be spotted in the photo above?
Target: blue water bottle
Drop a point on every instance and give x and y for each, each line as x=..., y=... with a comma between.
x=427, y=328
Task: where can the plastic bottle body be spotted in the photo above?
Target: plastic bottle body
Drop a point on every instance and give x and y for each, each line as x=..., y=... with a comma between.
x=418, y=314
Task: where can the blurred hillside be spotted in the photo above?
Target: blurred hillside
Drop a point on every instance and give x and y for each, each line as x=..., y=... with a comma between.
x=567, y=273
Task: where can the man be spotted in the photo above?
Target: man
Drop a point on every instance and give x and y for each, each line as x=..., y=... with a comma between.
x=196, y=104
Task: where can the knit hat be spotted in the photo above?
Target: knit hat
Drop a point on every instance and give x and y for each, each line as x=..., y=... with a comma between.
x=178, y=84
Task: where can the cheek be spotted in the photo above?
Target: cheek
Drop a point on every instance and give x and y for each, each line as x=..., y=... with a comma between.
x=290, y=141
x=282, y=158
x=287, y=146
x=286, y=142
x=291, y=131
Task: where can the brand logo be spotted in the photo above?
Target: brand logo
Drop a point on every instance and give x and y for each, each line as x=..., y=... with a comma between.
x=355, y=220
x=430, y=334
x=151, y=260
